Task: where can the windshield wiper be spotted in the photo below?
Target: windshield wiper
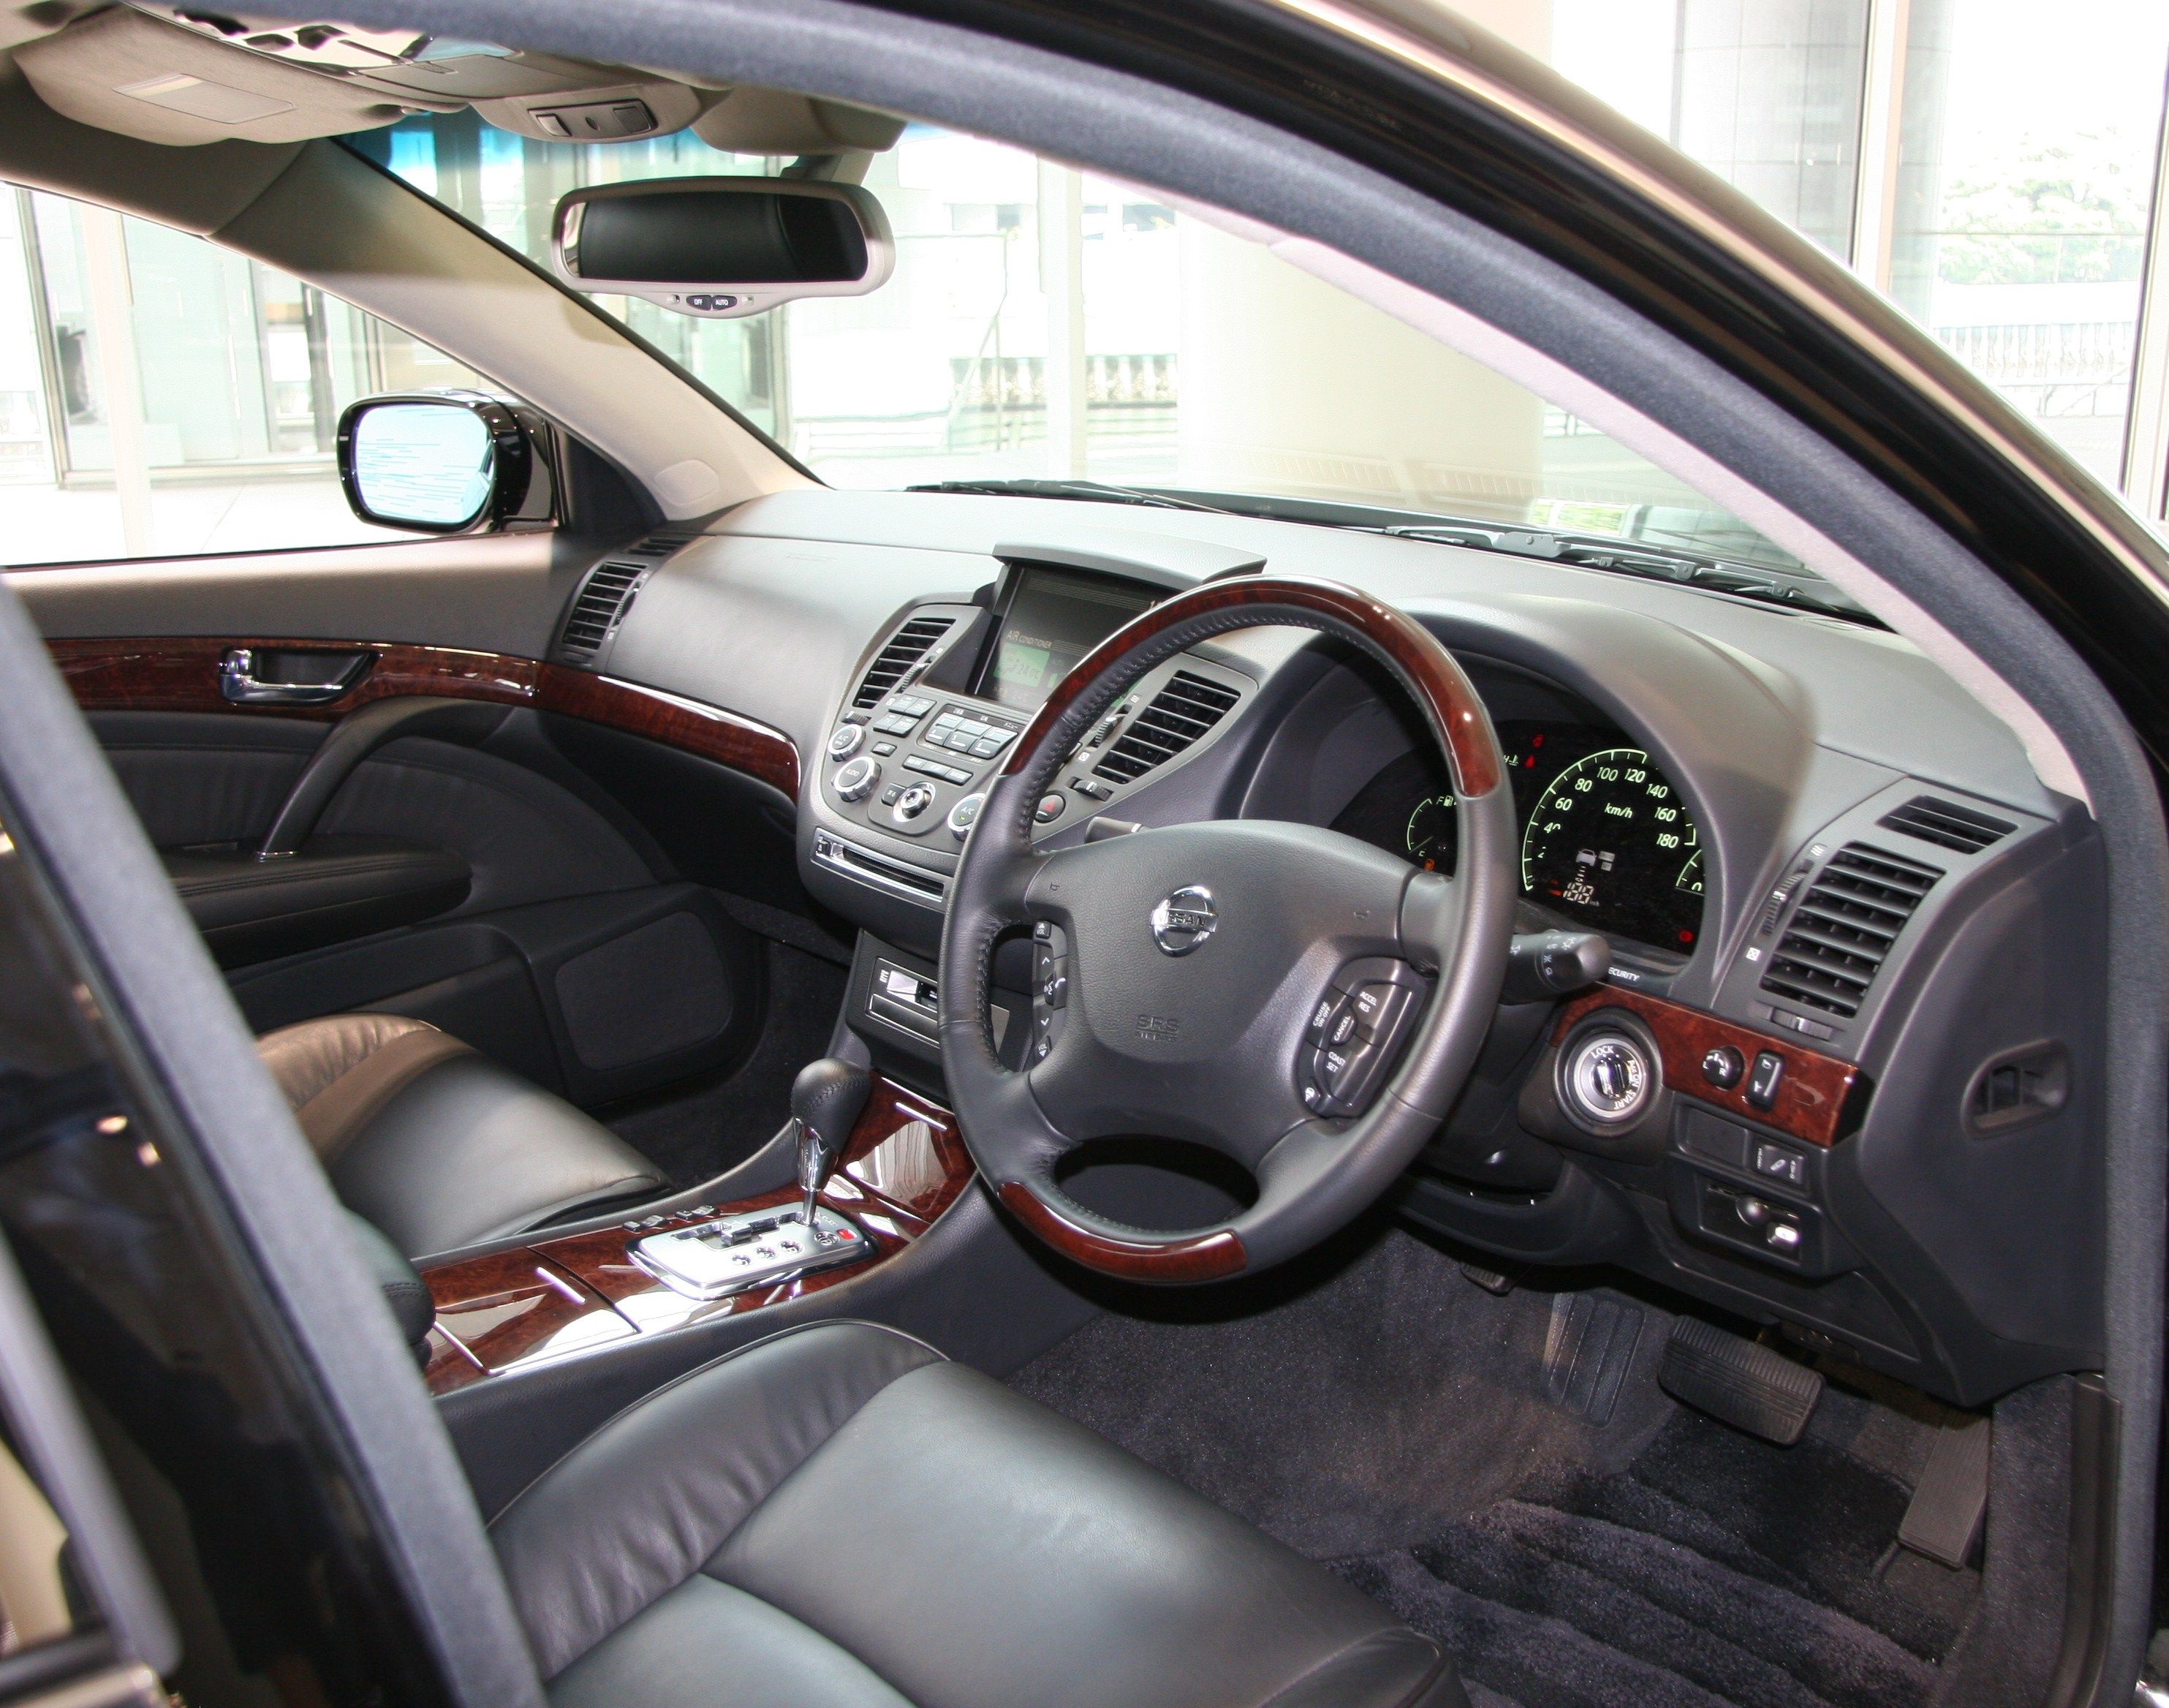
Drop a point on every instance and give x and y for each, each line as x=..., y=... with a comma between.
x=1085, y=489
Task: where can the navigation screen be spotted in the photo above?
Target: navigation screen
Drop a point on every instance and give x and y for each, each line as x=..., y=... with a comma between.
x=1053, y=620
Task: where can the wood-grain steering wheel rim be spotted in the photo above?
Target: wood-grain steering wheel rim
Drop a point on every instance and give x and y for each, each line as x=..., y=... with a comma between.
x=1461, y=925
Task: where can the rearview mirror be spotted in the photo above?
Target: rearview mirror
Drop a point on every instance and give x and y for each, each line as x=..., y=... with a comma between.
x=719, y=247
x=436, y=463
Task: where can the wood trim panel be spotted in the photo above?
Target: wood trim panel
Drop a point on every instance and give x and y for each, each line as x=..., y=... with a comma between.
x=905, y=1164
x=692, y=725
x=1194, y=1257
x=1819, y=1096
x=181, y=674
x=1428, y=668
x=510, y=1309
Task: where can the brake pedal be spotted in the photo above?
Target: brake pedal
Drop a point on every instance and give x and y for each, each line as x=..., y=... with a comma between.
x=1740, y=1382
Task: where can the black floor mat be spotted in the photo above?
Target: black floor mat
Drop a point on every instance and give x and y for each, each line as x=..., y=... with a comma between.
x=1374, y=1405
x=1716, y=1569
x=694, y=1133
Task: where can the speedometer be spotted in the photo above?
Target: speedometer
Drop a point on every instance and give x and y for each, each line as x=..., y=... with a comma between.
x=1611, y=843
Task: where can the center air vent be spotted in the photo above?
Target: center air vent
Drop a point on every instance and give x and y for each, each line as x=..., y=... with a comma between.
x=1845, y=925
x=905, y=647
x=606, y=594
x=1947, y=824
x=1180, y=714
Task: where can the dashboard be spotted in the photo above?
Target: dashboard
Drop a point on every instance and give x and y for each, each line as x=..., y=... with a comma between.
x=1852, y=1031
x=1607, y=842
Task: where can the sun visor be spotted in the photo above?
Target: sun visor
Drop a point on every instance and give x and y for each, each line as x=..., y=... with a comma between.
x=125, y=72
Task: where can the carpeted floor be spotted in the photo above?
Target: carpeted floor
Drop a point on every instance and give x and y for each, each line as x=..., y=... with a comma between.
x=1715, y=1568
x=1505, y=1473
x=694, y=1132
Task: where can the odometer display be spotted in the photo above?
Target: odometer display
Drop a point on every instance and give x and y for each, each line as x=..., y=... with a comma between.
x=1609, y=842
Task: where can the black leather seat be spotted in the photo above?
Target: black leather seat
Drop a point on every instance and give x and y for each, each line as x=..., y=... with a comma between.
x=436, y=1145
x=838, y=1518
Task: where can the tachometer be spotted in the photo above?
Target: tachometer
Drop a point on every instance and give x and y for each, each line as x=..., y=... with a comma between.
x=1611, y=843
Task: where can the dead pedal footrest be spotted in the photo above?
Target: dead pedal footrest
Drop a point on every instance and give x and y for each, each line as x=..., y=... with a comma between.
x=1738, y=1382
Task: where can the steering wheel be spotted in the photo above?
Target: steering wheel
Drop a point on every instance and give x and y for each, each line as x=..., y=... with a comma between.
x=1212, y=969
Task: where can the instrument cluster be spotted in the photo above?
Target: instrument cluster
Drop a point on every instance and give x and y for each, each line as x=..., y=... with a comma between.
x=1606, y=841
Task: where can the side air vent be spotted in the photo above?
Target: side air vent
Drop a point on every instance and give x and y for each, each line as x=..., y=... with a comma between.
x=1841, y=932
x=606, y=594
x=1945, y=824
x=905, y=647
x=596, y=610
x=1180, y=715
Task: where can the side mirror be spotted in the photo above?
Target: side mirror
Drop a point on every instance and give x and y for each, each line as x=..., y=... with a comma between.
x=719, y=247
x=436, y=463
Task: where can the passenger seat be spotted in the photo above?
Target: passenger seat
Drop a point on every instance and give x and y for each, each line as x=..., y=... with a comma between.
x=437, y=1145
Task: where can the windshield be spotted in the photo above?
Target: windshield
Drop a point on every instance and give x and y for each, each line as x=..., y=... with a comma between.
x=1048, y=325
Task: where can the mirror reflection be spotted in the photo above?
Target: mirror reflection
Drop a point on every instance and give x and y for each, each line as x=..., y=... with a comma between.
x=432, y=465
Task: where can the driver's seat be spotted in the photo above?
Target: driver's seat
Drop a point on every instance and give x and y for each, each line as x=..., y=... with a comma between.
x=836, y=1517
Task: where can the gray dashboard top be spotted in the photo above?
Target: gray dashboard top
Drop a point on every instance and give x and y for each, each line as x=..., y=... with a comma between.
x=770, y=616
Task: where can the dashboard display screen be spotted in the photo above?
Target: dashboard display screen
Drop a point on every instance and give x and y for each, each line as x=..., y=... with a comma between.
x=1053, y=620
x=1606, y=841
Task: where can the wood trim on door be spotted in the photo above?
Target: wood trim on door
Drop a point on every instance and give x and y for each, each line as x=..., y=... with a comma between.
x=180, y=674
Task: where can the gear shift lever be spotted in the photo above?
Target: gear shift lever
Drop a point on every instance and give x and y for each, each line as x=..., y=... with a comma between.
x=826, y=1100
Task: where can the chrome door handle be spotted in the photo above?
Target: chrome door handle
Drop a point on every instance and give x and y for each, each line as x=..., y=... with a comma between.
x=237, y=683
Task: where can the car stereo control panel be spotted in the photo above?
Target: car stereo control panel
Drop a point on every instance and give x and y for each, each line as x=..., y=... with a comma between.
x=914, y=763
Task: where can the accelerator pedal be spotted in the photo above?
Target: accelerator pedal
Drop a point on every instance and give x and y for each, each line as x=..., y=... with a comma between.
x=1740, y=1382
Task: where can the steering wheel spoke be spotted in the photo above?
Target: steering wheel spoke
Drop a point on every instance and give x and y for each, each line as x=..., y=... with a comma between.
x=1433, y=916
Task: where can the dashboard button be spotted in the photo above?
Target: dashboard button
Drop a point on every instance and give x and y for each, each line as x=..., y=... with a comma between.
x=1050, y=808
x=965, y=814
x=1723, y=1067
x=856, y=779
x=846, y=741
x=1779, y=1162
x=1763, y=1083
x=912, y=802
x=883, y=749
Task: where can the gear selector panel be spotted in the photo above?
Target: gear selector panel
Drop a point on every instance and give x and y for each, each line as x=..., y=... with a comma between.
x=734, y=1253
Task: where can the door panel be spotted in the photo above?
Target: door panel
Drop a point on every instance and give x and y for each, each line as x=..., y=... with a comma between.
x=576, y=956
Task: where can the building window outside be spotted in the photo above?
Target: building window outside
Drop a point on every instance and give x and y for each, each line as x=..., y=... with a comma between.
x=2026, y=171
x=2024, y=162
x=1043, y=322
x=163, y=397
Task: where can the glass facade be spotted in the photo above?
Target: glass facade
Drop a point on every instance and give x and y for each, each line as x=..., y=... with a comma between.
x=2011, y=182
x=161, y=396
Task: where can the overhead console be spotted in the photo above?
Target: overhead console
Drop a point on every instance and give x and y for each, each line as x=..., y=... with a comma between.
x=948, y=690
